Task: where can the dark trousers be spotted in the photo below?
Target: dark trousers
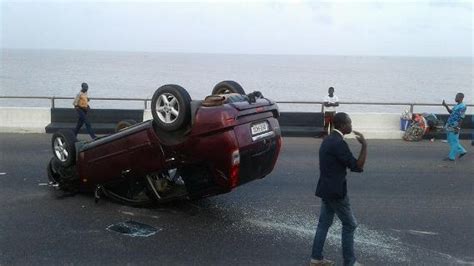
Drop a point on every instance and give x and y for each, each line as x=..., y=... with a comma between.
x=341, y=208
x=82, y=119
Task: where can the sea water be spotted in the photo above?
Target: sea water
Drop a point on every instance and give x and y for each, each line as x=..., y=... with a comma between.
x=60, y=73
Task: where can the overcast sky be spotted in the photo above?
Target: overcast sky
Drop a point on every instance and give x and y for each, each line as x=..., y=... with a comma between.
x=419, y=28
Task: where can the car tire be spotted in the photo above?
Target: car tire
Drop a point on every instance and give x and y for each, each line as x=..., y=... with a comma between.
x=53, y=175
x=124, y=124
x=54, y=178
x=64, y=180
x=171, y=107
x=228, y=86
x=63, y=146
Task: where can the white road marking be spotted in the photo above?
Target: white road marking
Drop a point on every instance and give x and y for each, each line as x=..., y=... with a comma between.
x=417, y=232
x=42, y=184
x=452, y=260
x=127, y=213
x=3, y=173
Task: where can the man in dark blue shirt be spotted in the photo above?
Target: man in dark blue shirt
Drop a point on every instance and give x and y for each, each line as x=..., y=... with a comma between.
x=334, y=159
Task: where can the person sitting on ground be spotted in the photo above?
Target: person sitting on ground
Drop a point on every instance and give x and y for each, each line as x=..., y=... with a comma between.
x=421, y=125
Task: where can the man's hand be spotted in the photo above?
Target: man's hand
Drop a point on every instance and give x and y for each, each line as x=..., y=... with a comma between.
x=360, y=138
x=446, y=106
x=363, y=150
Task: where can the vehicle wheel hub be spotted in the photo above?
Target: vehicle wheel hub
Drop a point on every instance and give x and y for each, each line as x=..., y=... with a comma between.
x=60, y=149
x=167, y=108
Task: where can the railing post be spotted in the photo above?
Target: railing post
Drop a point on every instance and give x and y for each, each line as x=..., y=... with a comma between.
x=52, y=102
x=322, y=108
x=145, y=104
x=411, y=108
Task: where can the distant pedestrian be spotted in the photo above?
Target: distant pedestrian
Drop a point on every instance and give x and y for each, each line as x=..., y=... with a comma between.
x=334, y=158
x=81, y=103
x=453, y=127
x=331, y=101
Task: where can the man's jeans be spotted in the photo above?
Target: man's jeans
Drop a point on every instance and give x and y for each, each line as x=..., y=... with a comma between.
x=342, y=208
x=455, y=146
x=83, y=120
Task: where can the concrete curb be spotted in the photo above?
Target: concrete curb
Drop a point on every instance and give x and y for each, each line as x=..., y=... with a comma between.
x=24, y=119
x=372, y=125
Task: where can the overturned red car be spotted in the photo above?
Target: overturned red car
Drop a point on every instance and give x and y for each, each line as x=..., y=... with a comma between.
x=190, y=149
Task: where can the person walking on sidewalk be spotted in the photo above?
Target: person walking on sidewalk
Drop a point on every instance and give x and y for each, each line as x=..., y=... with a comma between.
x=81, y=104
x=331, y=101
x=334, y=159
x=453, y=127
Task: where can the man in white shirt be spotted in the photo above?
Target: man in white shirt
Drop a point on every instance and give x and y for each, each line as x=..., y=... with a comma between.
x=331, y=101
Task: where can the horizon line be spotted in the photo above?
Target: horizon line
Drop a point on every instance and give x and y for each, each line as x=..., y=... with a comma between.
x=233, y=53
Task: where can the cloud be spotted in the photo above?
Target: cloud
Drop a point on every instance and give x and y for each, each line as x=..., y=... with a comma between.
x=288, y=27
x=452, y=4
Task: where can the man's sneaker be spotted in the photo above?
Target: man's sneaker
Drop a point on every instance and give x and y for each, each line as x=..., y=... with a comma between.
x=323, y=262
x=462, y=154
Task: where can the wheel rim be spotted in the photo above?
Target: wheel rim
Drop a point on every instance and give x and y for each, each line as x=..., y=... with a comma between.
x=167, y=108
x=60, y=149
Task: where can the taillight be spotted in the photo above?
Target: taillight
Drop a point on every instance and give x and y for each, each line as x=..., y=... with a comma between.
x=234, y=169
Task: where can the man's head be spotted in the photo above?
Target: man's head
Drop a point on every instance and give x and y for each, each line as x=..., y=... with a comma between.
x=84, y=87
x=343, y=123
x=331, y=91
x=459, y=97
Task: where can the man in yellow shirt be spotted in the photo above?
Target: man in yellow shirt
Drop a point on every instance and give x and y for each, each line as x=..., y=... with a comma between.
x=81, y=103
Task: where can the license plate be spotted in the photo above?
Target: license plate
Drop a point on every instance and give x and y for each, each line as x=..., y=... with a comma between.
x=259, y=128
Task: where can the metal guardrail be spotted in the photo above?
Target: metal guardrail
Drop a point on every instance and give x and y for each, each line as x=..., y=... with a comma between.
x=412, y=105
x=145, y=101
x=54, y=98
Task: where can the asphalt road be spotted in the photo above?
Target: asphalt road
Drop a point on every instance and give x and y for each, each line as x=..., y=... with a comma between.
x=412, y=208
